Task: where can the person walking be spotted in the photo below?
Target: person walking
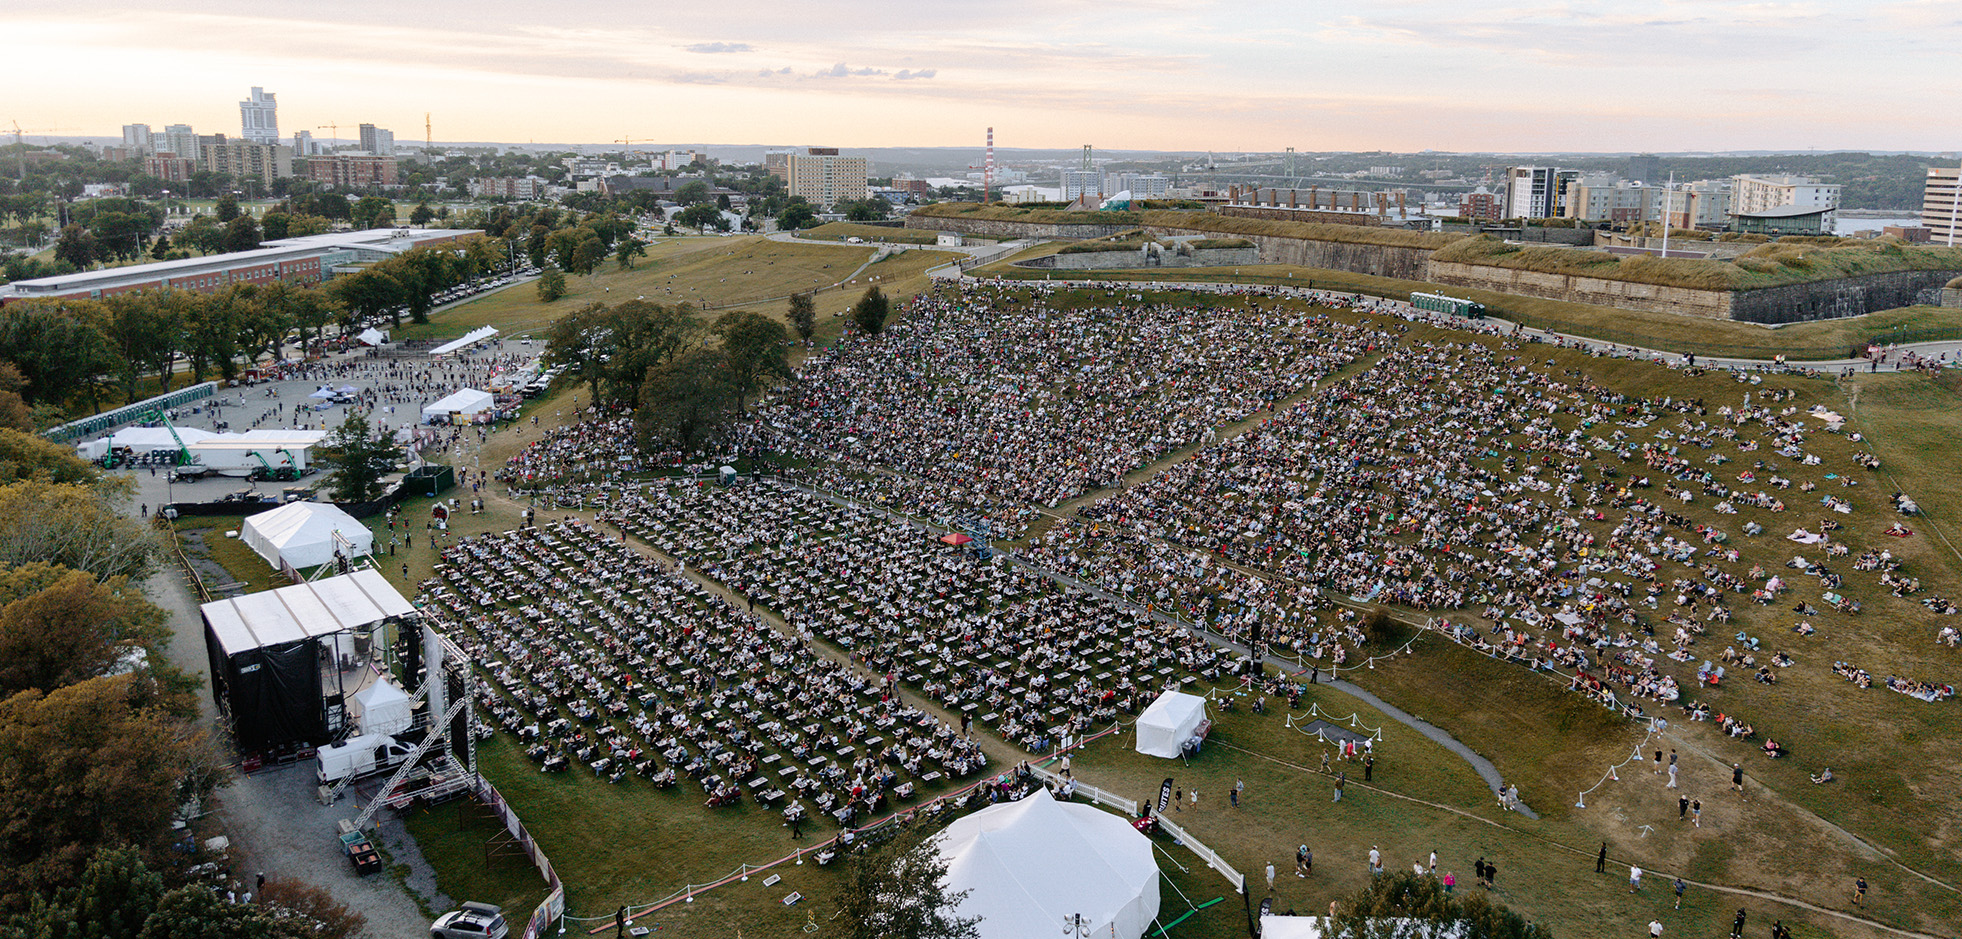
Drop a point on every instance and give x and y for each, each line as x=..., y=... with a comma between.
x=1679, y=887
x=1433, y=865
x=1601, y=860
x=1491, y=875
x=1672, y=777
x=1696, y=812
x=1737, y=926
x=1634, y=878
x=620, y=923
x=1340, y=781
x=1859, y=891
x=1737, y=777
x=1375, y=861
x=1682, y=807
x=1324, y=761
x=1658, y=762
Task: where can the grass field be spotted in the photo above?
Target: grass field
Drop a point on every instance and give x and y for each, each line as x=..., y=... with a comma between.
x=719, y=273
x=1895, y=755
x=1819, y=339
x=839, y=231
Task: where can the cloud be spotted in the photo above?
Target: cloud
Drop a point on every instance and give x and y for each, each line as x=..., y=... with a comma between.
x=907, y=73
x=714, y=48
x=768, y=73
x=841, y=70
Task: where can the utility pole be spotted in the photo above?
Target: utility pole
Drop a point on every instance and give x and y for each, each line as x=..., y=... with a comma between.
x=1668, y=202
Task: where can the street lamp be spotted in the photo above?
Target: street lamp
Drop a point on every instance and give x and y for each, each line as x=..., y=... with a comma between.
x=1075, y=925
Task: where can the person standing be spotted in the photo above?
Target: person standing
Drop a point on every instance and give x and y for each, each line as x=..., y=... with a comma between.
x=1433, y=865
x=1737, y=926
x=1658, y=762
x=1234, y=796
x=1601, y=860
x=1340, y=781
x=1369, y=767
x=1375, y=861
x=1325, y=761
x=1491, y=875
x=1304, y=861
x=1737, y=777
x=1696, y=812
x=1270, y=876
x=620, y=923
x=1178, y=800
x=1672, y=776
x=1655, y=929
x=1682, y=807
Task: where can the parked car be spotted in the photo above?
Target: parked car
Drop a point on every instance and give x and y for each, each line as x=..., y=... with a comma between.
x=474, y=921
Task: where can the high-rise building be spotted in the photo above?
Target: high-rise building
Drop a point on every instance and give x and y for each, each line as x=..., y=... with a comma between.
x=303, y=145
x=136, y=139
x=1139, y=185
x=1750, y=195
x=353, y=170
x=1941, y=205
x=179, y=140
x=1537, y=191
x=1079, y=183
x=377, y=141
x=240, y=159
x=824, y=178
x=777, y=163
x=259, y=117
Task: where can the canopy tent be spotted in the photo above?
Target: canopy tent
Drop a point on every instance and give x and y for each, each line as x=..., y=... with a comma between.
x=468, y=402
x=382, y=708
x=267, y=658
x=301, y=535
x=1028, y=864
x=469, y=339
x=156, y=438
x=1169, y=722
x=372, y=336
x=956, y=538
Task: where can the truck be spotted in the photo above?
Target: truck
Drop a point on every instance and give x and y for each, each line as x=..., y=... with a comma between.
x=360, y=756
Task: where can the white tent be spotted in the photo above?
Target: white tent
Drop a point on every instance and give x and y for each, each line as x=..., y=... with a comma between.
x=469, y=339
x=301, y=534
x=382, y=708
x=1165, y=726
x=372, y=336
x=144, y=439
x=467, y=402
x=1030, y=863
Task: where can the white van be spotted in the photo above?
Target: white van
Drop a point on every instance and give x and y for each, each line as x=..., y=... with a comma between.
x=360, y=756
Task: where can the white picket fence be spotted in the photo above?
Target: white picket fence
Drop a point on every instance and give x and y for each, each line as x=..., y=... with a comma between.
x=1211, y=857
x=1099, y=796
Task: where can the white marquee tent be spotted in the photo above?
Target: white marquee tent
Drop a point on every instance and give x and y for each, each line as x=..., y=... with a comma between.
x=469, y=402
x=301, y=534
x=1030, y=863
x=382, y=708
x=1165, y=726
x=372, y=336
x=469, y=339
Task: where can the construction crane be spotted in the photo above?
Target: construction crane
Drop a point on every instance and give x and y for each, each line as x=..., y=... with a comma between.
x=628, y=142
x=20, y=145
x=336, y=128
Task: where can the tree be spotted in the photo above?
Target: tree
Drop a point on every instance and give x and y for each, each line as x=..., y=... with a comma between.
x=587, y=253
x=803, y=315
x=325, y=917
x=421, y=215
x=627, y=249
x=372, y=212
x=752, y=351
x=277, y=225
x=870, y=312
x=62, y=627
x=14, y=412
x=227, y=208
x=75, y=526
x=868, y=210
x=360, y=458
x=203, y=233
x=241, y=234
x=77, y=246
x=100, y=763
x=161, y=249
x=798, y=214
x=27, y=455
x=899, y=892
x=692, y=192
x=683, y=401
x=702, y=215
x=1377, y=909
x=368, y=294
x=551, y=284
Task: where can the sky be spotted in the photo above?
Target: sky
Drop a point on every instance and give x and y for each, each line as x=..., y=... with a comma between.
x=1397, y=75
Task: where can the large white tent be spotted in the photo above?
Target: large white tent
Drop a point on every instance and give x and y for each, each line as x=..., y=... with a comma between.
x=1169, y=722
x=301, y=535
x=382, y=708
x=469, y=402
x=469, y=339
x=1028, y=864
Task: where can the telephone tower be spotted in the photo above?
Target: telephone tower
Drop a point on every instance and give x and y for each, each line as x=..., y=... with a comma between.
x=1089, y=159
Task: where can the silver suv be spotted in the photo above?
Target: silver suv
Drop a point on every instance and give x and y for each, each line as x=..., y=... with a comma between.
x=474, y=921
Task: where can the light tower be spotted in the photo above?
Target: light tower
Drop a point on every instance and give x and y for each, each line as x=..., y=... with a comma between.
x=988, y=171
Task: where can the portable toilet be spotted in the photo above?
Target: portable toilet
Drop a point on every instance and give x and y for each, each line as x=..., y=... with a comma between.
x=728, y=475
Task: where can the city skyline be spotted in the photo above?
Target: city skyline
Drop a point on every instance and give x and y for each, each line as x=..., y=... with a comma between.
x=1400, y=75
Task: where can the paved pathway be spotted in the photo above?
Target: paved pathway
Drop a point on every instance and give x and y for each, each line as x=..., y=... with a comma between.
x=1484, y=766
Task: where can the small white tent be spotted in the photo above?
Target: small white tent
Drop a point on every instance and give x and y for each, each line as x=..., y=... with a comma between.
x=1028, y=864
x=301, y=534
x=1165, y=726
x=382, y=708
x=372, y=336
x=469, y=402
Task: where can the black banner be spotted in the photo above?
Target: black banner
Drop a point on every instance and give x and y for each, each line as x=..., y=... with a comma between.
x=1164, y=796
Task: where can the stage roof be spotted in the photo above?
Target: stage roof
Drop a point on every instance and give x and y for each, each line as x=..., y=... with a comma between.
x=290, y=614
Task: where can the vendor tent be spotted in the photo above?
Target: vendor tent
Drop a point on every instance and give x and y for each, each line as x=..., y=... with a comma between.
x=372, y=336
x=381, y=708
x=1028, y=864
x=275, y=655
x=302, y=535
x=467, y=402
x=1165, y=726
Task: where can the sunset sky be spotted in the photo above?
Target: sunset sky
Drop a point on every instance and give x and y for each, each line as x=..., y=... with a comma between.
x=1660, y=75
